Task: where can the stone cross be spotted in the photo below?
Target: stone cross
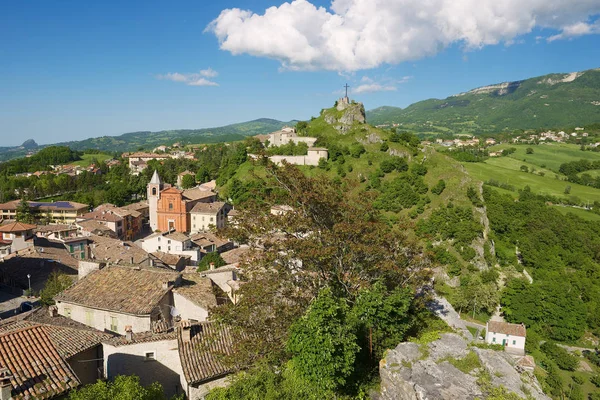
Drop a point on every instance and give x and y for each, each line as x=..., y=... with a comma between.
x=346, y=89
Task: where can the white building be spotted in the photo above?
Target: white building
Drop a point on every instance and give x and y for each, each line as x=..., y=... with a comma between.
x=207, y=216
x=312, y=157
x=172, y=243
x=287, y=135
x=510, y=336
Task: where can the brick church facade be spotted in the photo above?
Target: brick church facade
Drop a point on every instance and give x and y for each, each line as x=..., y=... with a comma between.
x=170, y=207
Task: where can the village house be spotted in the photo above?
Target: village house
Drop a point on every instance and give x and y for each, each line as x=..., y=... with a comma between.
x=510, y=336
x=169, y=207
x=207, y=216
x=65, y=212
x=184, y=359
x=172, y=242
x=117, y=296
x=210, y=243
x=93, y=227
x=77, y=346
x=127, y=223
x=18, y=235
x=31, y=267
x=138, y=161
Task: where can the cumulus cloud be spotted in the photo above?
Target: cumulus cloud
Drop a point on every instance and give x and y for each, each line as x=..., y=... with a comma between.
x=194, y=79
x=360, y=34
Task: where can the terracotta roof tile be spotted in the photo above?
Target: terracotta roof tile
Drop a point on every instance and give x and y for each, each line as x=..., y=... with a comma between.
x=38, y=369
x=17, y=227
x=200, y=356
x=122, y=289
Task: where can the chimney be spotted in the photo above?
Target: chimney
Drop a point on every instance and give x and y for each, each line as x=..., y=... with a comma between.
x=165, y=285
x=128, y=333
x=212, y=266
x=53, y=311
x=131, y=260
x=5, y=385
x=186, y=330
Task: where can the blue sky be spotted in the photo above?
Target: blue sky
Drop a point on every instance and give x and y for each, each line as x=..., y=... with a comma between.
x=70, y=70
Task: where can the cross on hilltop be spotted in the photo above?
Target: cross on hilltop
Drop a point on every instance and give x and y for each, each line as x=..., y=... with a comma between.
x=346, y=86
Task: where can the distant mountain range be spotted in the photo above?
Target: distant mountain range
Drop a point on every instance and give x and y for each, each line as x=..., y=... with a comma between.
x=549, y=101
x=149, y=140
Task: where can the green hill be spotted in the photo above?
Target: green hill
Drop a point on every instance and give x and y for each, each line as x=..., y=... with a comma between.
x=549, y=101
x=148, y=140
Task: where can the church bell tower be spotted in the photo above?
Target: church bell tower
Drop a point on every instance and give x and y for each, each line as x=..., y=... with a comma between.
x=154, y=188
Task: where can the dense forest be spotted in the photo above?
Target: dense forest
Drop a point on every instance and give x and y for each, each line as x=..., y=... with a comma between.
x=562, y=254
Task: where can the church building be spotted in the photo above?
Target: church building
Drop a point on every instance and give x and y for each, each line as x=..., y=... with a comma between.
x=170, y=208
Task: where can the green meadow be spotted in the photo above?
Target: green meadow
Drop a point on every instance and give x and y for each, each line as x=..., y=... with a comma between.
x=548, y=155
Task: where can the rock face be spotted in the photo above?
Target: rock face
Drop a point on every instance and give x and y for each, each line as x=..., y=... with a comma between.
x=347, y=114
x=424, y=372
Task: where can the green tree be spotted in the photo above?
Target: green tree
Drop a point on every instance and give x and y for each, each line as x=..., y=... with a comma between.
x=524, y=168
x=323, y=346
x=568, y=189
x=122, y=388
x=332, y=237
x=24, y=213
x=439, y=187
x=56, y=283
x=384, y=147
x=214, y=258
x=529, y=150
x=188, y=181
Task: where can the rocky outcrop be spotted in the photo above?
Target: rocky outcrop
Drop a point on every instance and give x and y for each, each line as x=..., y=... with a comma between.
x=430, y=372
x=345, y=115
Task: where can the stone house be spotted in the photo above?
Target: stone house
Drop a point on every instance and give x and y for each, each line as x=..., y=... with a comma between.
x=181, y=358
x=207, y=216
x=287, y=135
x=511, y=336
x=117, y=296
x=127, y=223
x=210, y=243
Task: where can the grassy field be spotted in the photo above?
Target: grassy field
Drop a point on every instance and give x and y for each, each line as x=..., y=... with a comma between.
x=507, y=171
x=86, y=159
x=587, y=215
x=550, y=155
x=594, y=173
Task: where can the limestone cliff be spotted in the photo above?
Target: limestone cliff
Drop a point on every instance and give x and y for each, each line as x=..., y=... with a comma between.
x=345, y=115
x=449, y=369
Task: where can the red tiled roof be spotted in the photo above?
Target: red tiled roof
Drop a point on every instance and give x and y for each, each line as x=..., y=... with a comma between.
x=507, y=329
x=38, y=369
x=16, y=227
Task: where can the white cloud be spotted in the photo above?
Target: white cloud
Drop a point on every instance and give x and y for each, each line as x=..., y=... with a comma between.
x=371, y=85
x=360, y=34
x=577, y=29
x=374, y=87
x=194, y=79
